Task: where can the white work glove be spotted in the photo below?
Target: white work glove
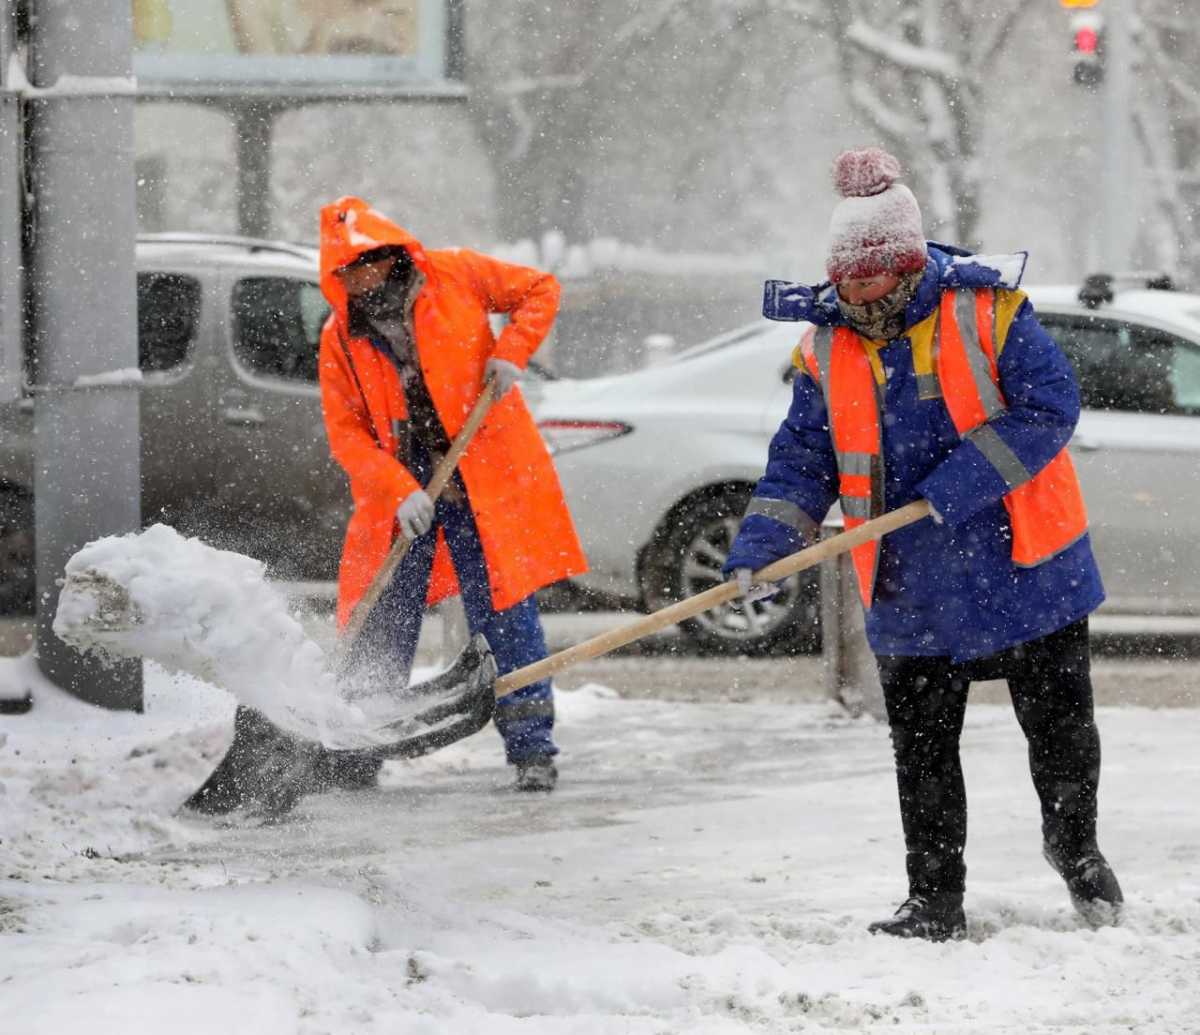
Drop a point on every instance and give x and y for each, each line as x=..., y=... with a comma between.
x=506, y=375
x=751, y=590
x=415, y=514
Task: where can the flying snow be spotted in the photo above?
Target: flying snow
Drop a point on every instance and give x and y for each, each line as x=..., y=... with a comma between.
x=210, y=614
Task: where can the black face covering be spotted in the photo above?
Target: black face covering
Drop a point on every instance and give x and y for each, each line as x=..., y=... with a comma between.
x=386, y=302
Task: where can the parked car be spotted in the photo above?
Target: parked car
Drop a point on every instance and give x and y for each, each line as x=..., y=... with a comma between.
x=233, y=443
x=658, y=464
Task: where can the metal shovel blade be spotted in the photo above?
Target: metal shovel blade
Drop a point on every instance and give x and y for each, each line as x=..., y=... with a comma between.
x=269, y=770
x=431, y=715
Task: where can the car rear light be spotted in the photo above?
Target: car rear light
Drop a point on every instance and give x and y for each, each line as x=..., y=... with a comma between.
x=564, y=435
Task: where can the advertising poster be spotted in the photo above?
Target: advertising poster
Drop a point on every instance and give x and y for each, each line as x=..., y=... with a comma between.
x=262, y=40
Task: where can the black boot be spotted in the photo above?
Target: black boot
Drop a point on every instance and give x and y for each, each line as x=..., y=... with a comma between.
x=1092, y=885
x=265, y=769
x=936, y=917
x=536, y=774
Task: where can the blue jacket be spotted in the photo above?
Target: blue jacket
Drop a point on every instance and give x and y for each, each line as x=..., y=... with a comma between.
x=951, y=588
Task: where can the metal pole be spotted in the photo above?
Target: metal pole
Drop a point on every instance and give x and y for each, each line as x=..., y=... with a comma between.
x=11, y=289
x=84, y=309
x=456, y=42
x=1116, y=183
x=253, y=124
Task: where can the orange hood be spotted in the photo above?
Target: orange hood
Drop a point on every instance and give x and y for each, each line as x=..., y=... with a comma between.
x=350, y=227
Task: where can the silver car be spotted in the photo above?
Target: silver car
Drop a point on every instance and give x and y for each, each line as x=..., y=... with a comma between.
x=233, y=443
x=658, y=465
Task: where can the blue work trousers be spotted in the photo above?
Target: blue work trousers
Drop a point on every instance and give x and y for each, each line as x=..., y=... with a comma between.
x=525, y=718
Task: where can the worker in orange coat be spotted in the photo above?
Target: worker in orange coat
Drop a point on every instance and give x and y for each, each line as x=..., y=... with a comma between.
x=404, y=356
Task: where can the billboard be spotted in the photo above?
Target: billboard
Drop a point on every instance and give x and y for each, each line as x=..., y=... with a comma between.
x=264, y=42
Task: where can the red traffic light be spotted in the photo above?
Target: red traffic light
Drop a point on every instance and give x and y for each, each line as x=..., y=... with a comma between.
x=1087, y=40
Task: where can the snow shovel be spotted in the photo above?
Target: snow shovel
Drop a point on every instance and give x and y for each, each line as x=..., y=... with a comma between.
x=272, y=768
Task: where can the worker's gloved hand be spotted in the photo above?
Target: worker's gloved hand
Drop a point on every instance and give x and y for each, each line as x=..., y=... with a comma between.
x=506, y=375
x=415, y=514
x=749, y=589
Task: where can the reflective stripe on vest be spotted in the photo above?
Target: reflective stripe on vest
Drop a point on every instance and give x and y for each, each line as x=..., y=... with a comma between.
x=786, y=513
x=1046, y=510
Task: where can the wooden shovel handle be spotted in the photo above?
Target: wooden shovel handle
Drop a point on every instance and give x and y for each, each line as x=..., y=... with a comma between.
x=876, y=528
x=437, y=484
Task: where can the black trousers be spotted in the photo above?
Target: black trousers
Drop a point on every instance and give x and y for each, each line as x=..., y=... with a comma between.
x=926, y=697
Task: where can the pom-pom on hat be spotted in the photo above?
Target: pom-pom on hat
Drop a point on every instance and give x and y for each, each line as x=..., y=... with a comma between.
x=876, y=228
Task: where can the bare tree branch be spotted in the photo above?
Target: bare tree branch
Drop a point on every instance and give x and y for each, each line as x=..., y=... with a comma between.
x=903, y=55
x=885, y=119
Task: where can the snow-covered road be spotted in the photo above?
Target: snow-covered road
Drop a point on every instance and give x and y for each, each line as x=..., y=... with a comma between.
x=703, y=868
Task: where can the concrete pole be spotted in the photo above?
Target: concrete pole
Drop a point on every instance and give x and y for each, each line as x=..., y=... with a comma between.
x=84, y=308
x=1117, y=187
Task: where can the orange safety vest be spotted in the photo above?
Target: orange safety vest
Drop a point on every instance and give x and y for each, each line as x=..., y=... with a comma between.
x=1046, y=509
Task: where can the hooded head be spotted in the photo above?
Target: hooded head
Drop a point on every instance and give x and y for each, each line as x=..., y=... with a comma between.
x=354, y=238
x=876, y=228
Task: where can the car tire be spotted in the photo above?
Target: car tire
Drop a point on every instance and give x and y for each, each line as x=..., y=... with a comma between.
x=18, y=574
x=686, y=559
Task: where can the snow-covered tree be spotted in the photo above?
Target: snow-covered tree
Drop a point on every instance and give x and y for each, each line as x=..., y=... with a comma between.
x=1167, y=123
x=916, y=72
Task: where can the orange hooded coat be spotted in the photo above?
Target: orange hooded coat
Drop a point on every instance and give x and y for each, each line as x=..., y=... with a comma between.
x=528, y=538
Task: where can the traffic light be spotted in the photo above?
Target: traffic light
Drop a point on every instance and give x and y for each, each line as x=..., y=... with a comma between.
x=1087, y=37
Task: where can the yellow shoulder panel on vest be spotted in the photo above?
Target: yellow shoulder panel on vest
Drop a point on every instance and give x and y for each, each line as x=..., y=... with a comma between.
x=799, y=362
x=1007, y=304
x=920, y=335
x=872, y=349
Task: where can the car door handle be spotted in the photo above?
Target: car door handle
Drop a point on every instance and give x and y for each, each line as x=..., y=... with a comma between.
x=1085, y=445
x=244, y=416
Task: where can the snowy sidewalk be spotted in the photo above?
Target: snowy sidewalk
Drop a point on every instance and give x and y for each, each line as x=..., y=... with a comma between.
x=703, y=868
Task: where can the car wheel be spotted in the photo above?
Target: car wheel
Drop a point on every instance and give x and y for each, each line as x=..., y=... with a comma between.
x=18, y=579
x=687, y=560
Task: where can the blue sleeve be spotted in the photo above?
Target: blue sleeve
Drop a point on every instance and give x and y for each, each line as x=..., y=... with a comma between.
x=798, y=488
x=1042, y=394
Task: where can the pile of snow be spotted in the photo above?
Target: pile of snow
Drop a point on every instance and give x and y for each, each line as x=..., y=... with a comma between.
x=81, y=786
x=210, y=614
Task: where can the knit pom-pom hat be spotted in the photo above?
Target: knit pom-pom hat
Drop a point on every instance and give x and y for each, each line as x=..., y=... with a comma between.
x=876, y=228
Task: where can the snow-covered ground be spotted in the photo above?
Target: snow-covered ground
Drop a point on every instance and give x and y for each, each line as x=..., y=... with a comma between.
x=702, y=868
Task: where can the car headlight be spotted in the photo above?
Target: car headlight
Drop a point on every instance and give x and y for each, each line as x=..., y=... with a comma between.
x=562, y=436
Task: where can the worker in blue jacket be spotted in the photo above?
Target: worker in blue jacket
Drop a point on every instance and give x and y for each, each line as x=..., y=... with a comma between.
x=927, y=375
